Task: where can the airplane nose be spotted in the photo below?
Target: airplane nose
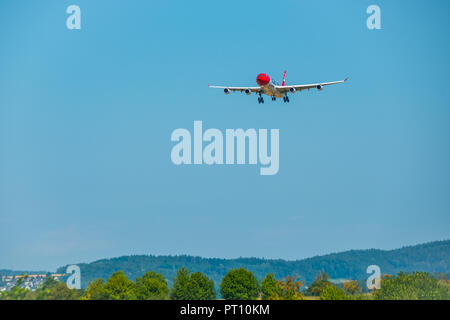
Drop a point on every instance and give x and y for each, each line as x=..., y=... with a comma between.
x=262, y=79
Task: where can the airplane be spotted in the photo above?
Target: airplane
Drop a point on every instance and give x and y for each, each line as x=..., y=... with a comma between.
x=272, y=89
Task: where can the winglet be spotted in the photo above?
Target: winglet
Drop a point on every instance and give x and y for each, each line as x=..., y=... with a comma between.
x=345, y=80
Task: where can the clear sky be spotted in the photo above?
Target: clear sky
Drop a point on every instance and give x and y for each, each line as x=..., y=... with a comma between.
x=87, y=115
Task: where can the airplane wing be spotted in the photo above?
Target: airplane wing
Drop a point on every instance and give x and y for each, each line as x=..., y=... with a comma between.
x=240, y=89
x=301, y=87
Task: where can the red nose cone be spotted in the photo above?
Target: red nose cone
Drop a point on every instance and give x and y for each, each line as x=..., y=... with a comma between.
x=262, y=79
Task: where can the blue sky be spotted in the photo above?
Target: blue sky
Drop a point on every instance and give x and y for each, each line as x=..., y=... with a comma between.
x=86, y=119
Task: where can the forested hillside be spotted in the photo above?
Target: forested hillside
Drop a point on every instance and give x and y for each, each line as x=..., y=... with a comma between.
x=430, y=257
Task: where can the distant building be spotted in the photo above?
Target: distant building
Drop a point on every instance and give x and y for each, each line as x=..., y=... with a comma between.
x=30, y=282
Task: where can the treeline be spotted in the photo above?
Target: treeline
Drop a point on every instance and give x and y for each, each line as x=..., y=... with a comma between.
x=237, y=284
x=430, y=257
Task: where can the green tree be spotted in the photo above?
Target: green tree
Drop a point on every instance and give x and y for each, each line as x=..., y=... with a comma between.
x=271, y=289
x=332, y=292
x=201, y=287
x=16, y=293
x=412, y=286
x=239, y=284
x=119, y=287
x=43, y=292
x=318, y=285
x=56, y=290
x=95, y=290
x=152, y=286
x=180, y=288
x=195, y=286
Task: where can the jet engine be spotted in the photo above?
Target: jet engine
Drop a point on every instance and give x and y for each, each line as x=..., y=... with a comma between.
x=226, y=91
x=319, y=87
x=248, y=92
x=292, y=90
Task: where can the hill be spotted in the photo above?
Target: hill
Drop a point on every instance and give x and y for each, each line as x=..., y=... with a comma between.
x=431, y=257
x=8, y=272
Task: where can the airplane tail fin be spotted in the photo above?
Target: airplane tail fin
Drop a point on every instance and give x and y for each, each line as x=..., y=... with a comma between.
x=284, y=79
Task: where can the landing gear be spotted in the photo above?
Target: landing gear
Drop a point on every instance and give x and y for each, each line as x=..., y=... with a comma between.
x=274, y=98
x=260, y=98
x=286, y=99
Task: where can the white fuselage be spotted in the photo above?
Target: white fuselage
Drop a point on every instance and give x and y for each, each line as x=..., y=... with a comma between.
x=271, y=90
